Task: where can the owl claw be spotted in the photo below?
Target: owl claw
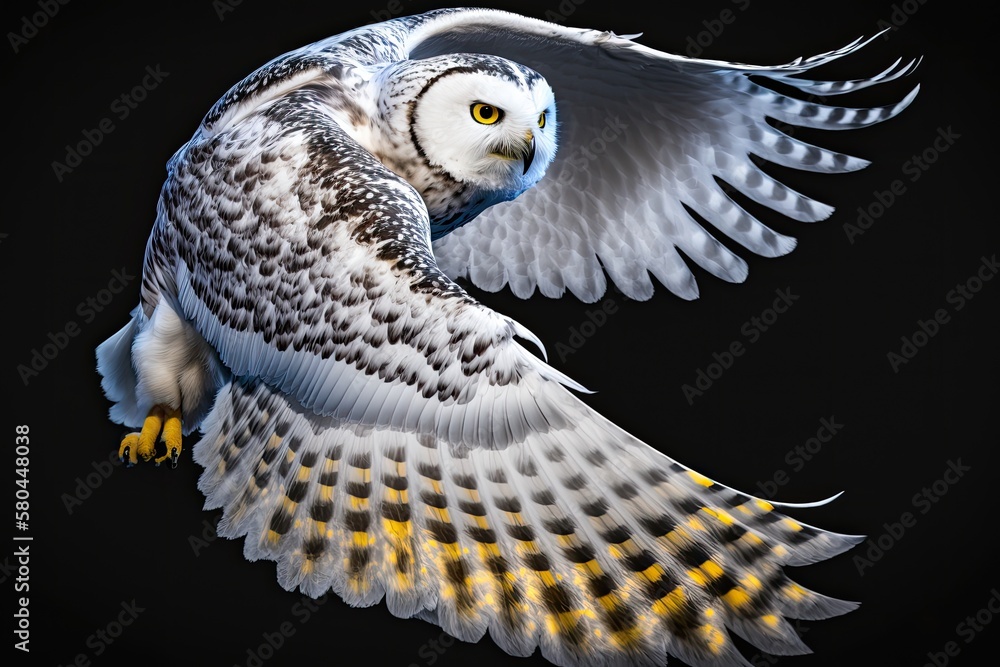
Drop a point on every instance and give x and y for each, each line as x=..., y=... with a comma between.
x=161, y=423
x=173, y=455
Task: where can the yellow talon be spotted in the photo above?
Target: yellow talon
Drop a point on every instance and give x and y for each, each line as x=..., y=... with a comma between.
x=162, y=422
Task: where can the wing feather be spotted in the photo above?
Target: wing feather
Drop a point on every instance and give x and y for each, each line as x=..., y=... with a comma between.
x=645, y=137
x=383, y=435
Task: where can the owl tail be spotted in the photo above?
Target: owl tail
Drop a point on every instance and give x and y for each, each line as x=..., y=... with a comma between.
x=578, y=539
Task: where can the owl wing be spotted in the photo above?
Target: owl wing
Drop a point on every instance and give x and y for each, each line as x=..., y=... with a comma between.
x=652, y=146
x=382, y=435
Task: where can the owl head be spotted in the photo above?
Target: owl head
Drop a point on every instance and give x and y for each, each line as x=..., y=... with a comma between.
x=480, y=120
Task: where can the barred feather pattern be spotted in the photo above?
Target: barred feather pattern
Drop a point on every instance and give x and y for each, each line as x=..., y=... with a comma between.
x=579, y=539
x=379, y=433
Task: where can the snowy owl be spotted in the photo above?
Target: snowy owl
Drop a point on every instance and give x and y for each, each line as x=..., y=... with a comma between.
x=375, y=430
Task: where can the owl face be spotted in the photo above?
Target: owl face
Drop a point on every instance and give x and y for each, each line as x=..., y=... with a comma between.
x=492, y=127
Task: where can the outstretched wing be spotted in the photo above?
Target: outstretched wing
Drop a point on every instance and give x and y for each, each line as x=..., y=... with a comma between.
x=384, y=436
x=645, y=139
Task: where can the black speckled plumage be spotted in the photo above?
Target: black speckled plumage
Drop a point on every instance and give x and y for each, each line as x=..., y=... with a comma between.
x=379, y=433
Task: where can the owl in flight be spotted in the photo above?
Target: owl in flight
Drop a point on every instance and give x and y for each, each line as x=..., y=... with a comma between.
x=378, y=432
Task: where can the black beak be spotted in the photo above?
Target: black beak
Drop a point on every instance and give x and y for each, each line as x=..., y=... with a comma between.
x=529, y=157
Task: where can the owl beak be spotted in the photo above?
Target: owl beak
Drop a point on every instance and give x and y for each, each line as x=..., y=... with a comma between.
x=529, y=154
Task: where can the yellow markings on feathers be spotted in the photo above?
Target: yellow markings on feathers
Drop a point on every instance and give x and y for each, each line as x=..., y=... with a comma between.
x=439, y=513
x=361, y=539
x=394, y=496
x=671, y=604
x=780, y=551
x=325, y=492
x=719, y=514
x=715, y=637
x=746, y=510
x=303, y=475
x=700, y=479
x=708, y=571
x=653, y=573
x=289, y=456
x=527, y=547
x=794, y=525
x=321, y=530
x=397, y=530
x=489, y=550
x=763, y=504
x=694, y=524
x=678, y=536
x=629, y=638
x=697, y=576
x=514, y=518
x=751, y=582
x=452, y=550
x=274, y=441
x=273, y=536
x=795, y=592
x=358, y=503
x=610, y=601
x=770, y=619
x=556, y=623
x=736, y=598
x=712, y=569
x=288, y=505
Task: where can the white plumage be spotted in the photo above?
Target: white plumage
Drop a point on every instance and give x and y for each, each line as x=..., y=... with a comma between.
x=378, y=432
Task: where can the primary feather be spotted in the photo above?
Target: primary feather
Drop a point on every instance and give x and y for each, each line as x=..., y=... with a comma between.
x=375, y=430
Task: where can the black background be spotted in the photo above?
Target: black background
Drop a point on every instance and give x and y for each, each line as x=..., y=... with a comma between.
x=826, y=357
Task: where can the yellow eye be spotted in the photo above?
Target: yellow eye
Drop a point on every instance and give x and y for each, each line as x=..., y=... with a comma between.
x=487, y=114
x=541, y=120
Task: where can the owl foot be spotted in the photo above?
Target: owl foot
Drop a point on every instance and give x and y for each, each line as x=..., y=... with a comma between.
x=162, y=422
